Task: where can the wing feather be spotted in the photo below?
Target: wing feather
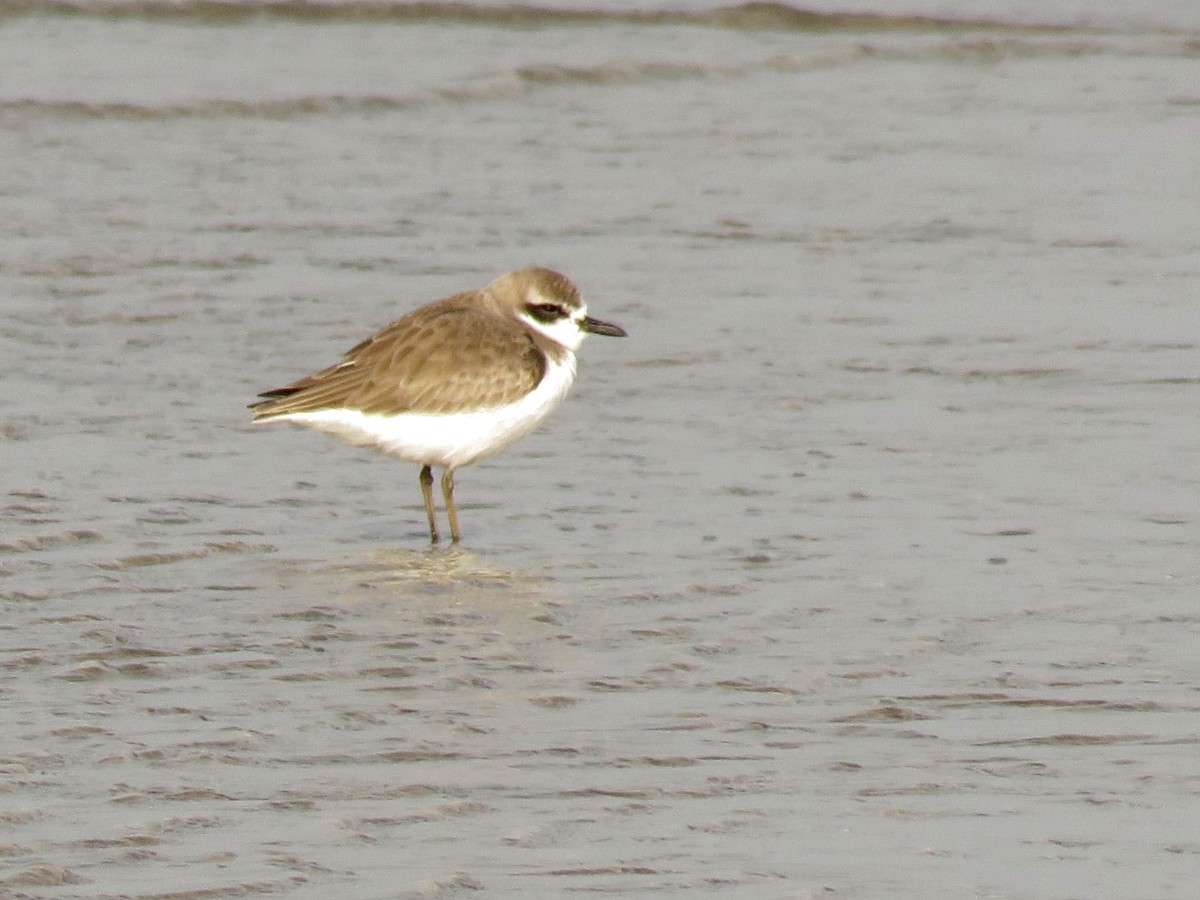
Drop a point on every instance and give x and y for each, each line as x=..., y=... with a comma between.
x=450, y=356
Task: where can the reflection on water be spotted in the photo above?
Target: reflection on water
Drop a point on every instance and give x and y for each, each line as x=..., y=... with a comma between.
x=451, y=578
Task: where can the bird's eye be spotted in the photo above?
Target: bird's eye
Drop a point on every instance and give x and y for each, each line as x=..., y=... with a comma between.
x=546, y=312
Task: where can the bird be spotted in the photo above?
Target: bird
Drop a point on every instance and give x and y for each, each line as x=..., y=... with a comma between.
x=451, y=382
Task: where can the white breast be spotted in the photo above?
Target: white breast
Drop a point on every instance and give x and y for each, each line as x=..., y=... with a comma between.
x=445, y=439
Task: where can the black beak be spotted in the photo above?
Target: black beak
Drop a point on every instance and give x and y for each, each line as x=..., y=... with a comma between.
x=595, y=326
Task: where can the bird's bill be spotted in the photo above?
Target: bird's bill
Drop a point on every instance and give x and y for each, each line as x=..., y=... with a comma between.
x=595, y=326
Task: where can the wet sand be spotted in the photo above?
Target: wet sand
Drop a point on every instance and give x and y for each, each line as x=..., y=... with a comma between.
x=864, y=568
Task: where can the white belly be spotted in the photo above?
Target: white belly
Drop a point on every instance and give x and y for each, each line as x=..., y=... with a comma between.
x=449, y=440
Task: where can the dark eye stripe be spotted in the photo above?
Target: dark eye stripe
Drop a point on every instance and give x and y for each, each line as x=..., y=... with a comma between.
x=546, y=312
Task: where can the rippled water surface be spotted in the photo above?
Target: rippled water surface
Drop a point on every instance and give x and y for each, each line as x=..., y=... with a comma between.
x=865, y=567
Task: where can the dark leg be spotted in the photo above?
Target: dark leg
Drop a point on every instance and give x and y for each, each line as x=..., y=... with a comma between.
x=427, y=493
x=451, y=510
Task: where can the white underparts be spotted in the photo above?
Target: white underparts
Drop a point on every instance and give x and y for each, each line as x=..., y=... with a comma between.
x=449, y=440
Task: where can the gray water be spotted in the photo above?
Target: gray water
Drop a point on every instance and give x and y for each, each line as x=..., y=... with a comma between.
x=866, y=567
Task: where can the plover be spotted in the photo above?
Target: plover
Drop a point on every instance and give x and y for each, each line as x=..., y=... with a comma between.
x=451, y=382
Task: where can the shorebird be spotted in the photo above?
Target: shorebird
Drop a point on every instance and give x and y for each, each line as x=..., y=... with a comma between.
x=450, y=382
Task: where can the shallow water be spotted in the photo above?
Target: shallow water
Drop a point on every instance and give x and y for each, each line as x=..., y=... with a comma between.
x=865, y=567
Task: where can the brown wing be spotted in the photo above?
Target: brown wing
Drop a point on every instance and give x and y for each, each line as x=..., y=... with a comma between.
x=450, y=356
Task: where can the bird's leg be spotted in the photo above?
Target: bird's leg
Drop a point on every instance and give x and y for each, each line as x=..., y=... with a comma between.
x=451, y=510
x=427, y=493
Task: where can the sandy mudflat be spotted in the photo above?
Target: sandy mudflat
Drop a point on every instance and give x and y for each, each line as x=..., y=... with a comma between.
x=866, y=567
